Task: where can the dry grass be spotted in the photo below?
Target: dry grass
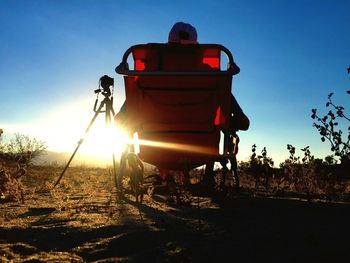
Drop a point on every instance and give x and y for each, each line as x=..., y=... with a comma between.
x=84, y=219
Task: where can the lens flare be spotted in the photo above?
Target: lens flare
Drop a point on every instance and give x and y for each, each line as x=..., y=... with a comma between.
x=178, y=146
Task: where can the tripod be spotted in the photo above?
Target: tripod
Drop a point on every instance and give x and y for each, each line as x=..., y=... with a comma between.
x=105, y=82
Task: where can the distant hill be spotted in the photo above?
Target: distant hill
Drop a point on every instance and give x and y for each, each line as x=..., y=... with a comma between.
x=61, y=158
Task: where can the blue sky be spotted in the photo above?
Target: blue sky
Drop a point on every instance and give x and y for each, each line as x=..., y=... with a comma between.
x=291, y=55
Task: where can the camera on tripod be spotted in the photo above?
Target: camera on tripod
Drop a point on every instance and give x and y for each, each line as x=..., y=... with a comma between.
x=105, y=82
x=106, y=106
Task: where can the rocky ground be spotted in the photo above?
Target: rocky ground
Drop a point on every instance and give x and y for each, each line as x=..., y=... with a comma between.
x=83, y=219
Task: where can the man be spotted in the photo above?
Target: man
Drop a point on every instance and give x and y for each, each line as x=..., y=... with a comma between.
x=184, y=33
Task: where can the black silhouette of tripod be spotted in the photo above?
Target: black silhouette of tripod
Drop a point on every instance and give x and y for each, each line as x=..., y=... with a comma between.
x=105, y=83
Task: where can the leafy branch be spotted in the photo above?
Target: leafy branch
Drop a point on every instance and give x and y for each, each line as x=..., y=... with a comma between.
x=327, y=127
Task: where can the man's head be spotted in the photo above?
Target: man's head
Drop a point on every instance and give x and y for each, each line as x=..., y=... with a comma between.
x=183, y=33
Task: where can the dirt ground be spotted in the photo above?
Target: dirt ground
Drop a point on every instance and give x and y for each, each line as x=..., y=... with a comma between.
x=83, y=219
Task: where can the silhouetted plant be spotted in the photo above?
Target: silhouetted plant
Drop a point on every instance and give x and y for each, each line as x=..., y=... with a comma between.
x=15, y=156
x=310, y=176
x=260, y=159
x=22, y=147
x=11, y=189
x=260, y=166
x=304, y=175
x=327, y=127
x=299, y=173
x=330, y=160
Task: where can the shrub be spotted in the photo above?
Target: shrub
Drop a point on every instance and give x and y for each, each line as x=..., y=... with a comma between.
x=22, y=147
x=301, y=173
x=260, y=166
x=311, y=176
x=15, y=156
x=328, y=128
x=11, y=188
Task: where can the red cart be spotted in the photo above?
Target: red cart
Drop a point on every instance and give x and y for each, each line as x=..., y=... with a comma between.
x=178, y=102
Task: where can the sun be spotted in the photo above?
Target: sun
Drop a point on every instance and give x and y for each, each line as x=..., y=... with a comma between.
x=102, y=142
x=63, y=128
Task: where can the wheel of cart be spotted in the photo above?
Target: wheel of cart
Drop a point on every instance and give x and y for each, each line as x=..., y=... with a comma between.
x=130, y=174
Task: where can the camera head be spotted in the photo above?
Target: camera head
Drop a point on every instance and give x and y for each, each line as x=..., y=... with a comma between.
x=105, y=82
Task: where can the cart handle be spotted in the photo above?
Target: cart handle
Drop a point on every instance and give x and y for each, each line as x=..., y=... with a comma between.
x=123, y=67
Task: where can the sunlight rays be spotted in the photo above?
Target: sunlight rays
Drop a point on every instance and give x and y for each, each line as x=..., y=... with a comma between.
x=178, y=146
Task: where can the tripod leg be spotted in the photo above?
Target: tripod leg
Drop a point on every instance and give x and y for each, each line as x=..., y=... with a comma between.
x=109, y=115
x=80, y=142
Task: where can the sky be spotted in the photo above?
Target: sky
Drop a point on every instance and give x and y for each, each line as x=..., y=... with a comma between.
x=292, y=54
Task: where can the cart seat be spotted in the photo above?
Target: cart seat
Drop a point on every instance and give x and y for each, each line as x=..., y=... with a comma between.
x=177, y=100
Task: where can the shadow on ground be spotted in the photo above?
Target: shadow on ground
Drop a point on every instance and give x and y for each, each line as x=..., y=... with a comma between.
x=245, y=230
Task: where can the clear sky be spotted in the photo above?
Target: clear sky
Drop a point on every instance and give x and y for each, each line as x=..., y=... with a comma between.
x=291, y=55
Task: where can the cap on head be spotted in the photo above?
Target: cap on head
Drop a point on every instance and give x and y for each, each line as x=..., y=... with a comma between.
x=183, y=33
